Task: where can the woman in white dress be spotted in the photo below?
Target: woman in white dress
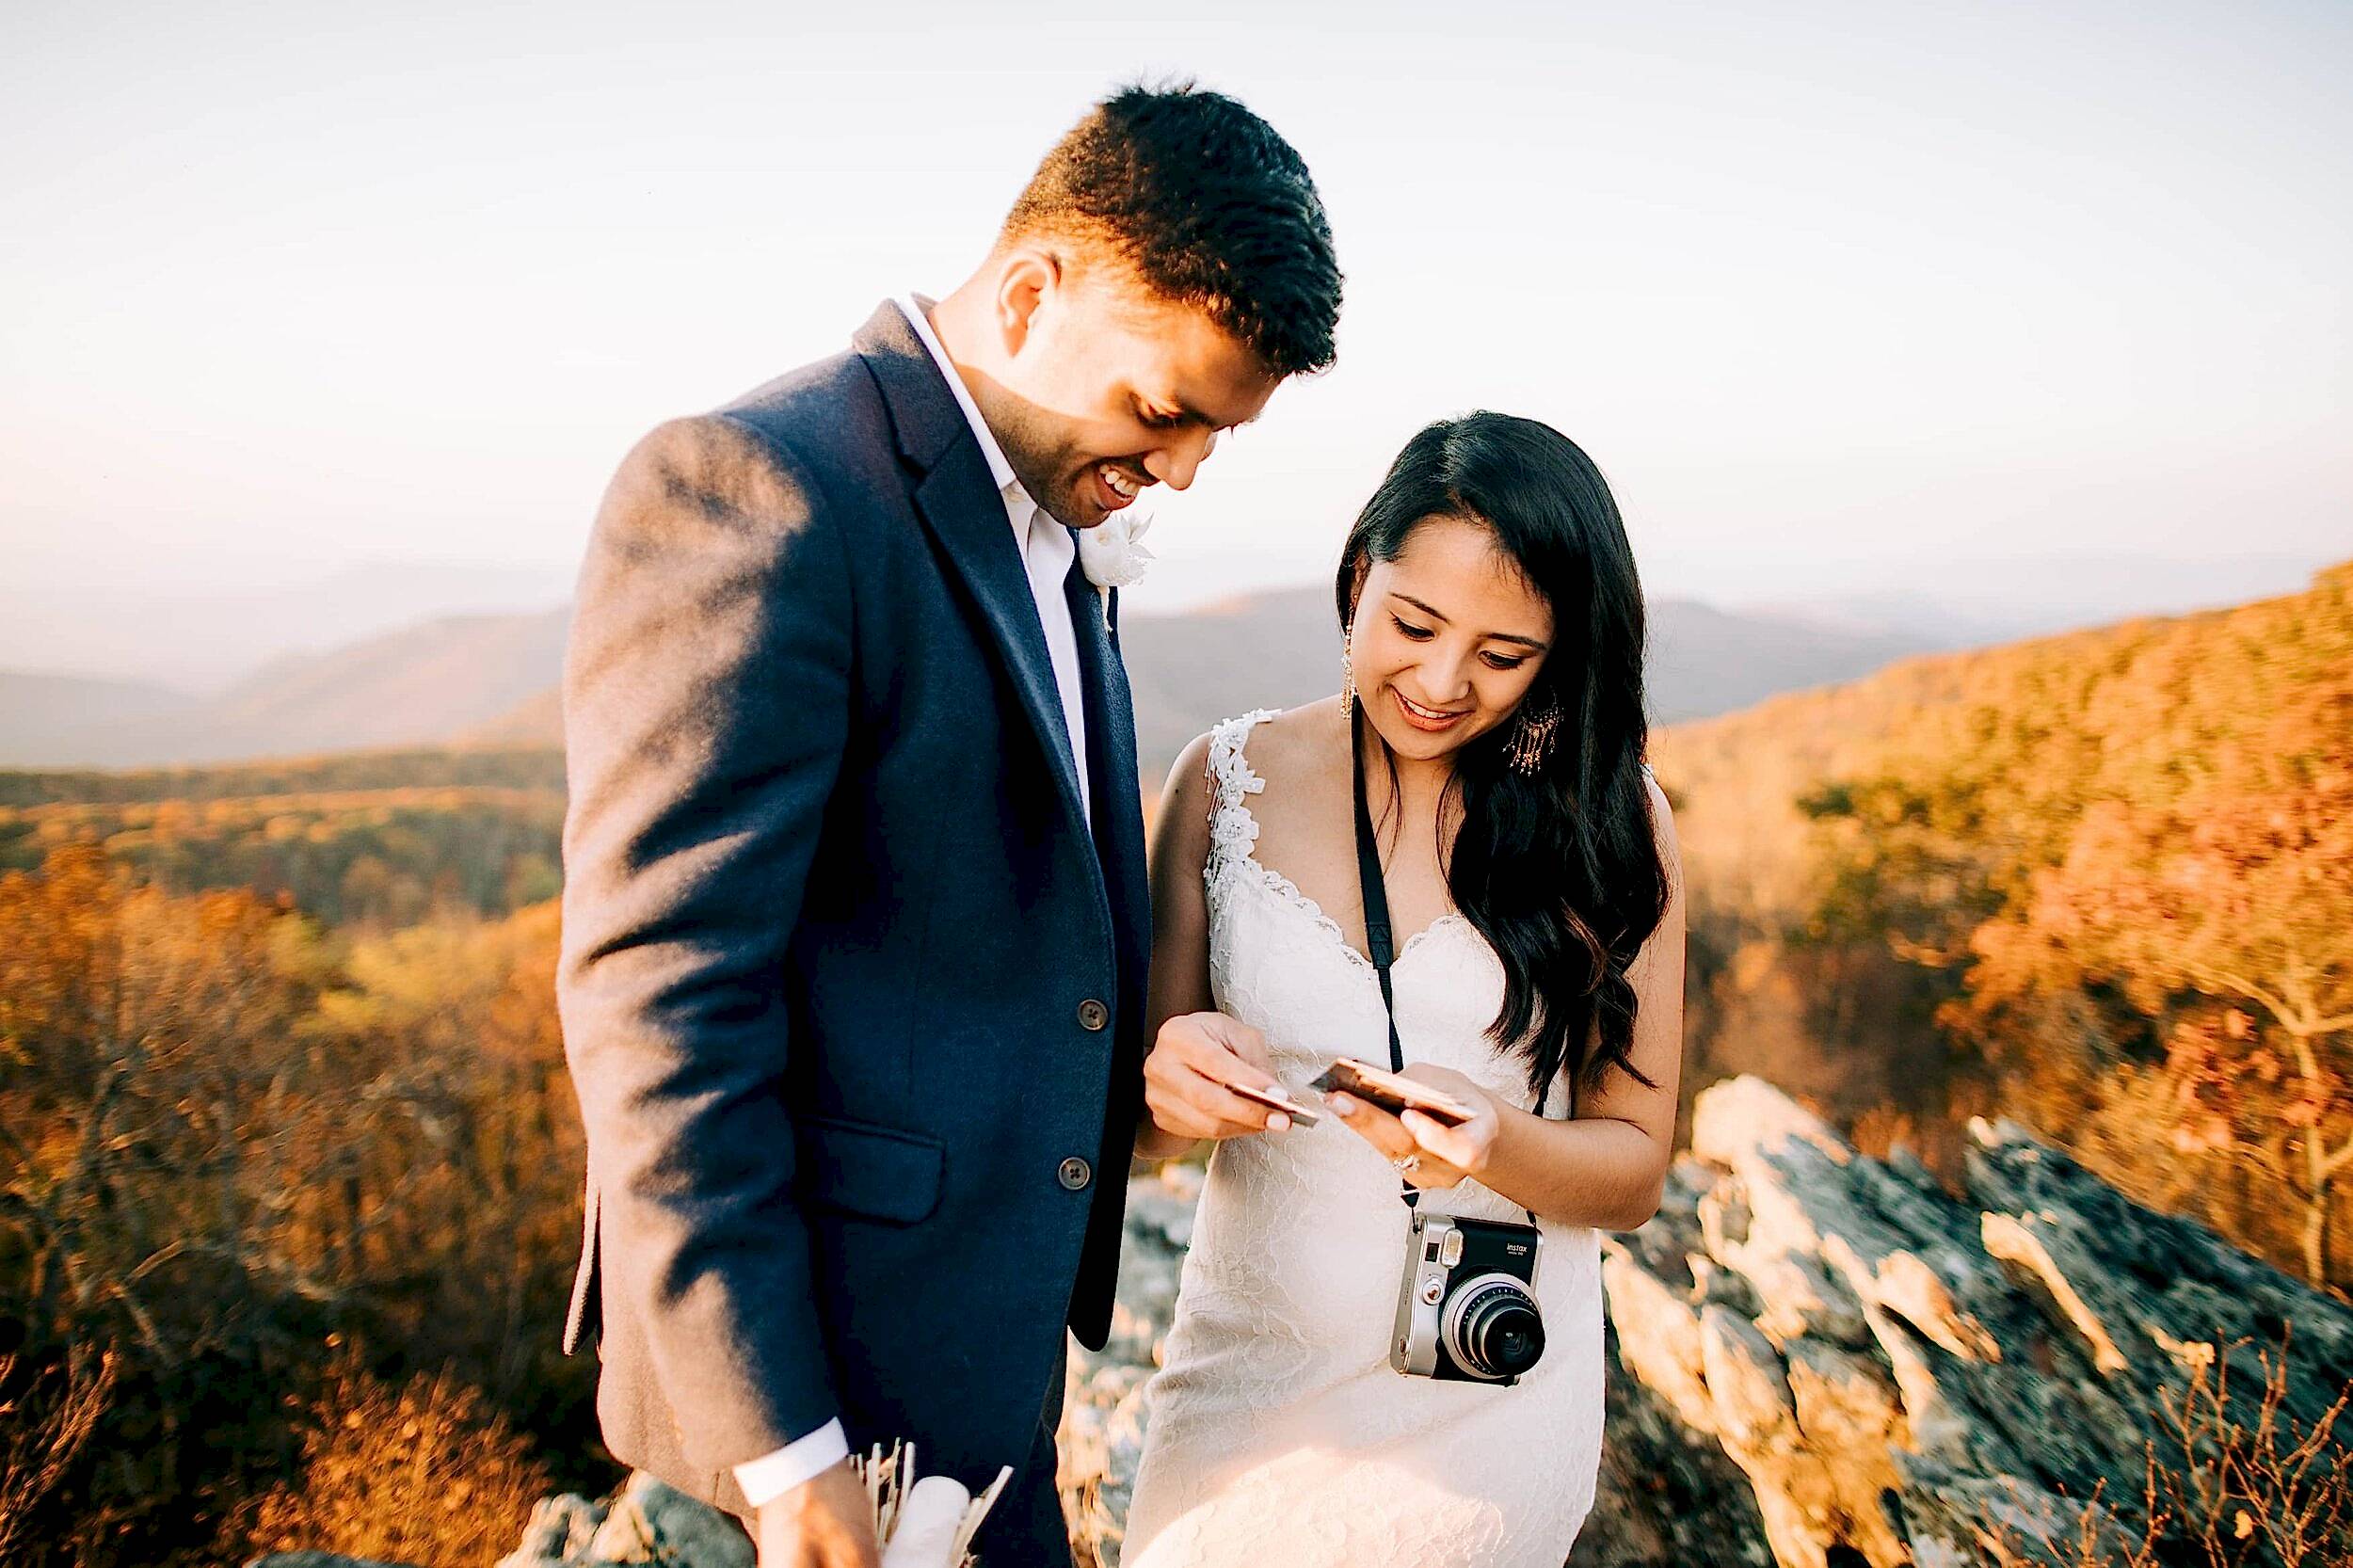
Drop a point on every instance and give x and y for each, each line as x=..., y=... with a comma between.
x=1493, y=708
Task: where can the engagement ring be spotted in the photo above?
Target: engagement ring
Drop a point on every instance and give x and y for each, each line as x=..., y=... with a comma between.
x=1407, y=1164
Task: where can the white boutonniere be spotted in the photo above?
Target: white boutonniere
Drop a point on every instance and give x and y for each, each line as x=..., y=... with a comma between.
x=1111, y=554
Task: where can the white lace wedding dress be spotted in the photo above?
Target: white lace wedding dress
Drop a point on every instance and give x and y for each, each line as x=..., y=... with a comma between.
x=1278, y=1434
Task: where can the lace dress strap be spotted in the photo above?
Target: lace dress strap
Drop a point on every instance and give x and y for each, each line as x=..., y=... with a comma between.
x=1233, y=831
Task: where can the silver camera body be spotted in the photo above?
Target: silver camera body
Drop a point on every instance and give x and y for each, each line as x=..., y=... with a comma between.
x=1466, y=1310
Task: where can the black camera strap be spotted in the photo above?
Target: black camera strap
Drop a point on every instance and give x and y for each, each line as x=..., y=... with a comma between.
x=1378, y=939
x=1376, y=894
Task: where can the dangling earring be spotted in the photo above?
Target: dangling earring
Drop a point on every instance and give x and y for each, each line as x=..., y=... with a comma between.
x=1347, y=675
x=1531, y=738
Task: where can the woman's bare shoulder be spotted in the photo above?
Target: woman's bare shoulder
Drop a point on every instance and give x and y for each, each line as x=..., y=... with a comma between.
x=1297, y=743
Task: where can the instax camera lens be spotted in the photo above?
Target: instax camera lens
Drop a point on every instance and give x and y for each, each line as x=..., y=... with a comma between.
x=1492, y=1327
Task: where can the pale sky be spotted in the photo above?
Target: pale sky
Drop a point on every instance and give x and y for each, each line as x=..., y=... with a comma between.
x=1839, y=296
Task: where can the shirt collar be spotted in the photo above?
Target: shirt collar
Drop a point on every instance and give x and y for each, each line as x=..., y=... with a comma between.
x=999, y=470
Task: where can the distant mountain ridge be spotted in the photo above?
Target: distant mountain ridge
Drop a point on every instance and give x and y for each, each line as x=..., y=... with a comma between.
x=1280, y=650
x=421, y=685
x=206, y=632
x=489, y=680
x=37, y=704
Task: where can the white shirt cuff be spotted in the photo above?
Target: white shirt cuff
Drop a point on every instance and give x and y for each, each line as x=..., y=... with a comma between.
x=771, y=1475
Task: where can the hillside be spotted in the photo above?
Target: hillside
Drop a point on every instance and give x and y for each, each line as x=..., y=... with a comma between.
x=1256, y=651
x=381, y=837
x=206, y=627
x=435, y=767
x=2102, y=881
x=1280, y=649
x=1705, y=661
x=39, y=705
x=422, y=684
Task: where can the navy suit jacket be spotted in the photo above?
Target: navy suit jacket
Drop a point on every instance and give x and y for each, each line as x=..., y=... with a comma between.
x=852, y=996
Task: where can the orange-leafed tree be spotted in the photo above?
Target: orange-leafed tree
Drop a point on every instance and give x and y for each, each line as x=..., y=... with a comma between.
x=229, y=1140
x=2125, y=858
x=2224, y=919
x=158, y=1139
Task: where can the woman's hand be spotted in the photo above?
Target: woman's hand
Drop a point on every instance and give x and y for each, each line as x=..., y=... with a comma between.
x=1185, y=1076
x=1442, y=1155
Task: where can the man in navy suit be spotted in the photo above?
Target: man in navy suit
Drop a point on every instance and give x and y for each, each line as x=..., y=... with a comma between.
x=855, y=911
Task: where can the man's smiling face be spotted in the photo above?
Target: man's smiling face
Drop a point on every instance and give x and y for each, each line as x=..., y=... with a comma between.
x=1106, y=389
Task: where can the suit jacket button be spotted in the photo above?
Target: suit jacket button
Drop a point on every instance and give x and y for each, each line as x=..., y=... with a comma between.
x=1092, y=1015
x=1075, y=1173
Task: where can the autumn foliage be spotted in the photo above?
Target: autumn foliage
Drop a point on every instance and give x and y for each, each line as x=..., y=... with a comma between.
x=423, y=1474
x=289, y=1164
x=2100, y=883
x=229, y=1138
x=381, y=841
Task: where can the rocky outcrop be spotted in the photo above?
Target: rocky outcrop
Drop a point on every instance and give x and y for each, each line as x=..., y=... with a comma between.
x=1103, y=1404
x=1817, y=1360
x=1821, y=1360
x=645, y=1522
x=1906, y=1376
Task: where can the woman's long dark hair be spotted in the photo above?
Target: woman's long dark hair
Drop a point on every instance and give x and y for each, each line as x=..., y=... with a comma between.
x=1558, y=869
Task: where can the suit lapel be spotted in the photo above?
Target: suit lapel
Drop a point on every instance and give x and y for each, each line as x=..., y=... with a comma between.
x=964, y=511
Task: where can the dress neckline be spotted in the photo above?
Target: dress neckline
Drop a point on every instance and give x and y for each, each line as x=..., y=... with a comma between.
x=1236, y=830
x=1288, y=891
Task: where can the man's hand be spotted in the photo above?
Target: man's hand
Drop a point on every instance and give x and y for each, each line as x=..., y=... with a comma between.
x=1185, y=1078
x=826, y=1522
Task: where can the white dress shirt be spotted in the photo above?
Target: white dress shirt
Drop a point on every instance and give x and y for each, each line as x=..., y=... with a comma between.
x=1047, y=548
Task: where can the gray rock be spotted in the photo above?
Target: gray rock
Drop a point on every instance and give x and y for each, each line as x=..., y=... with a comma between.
x=559, y=1532
x=1903, y=1376
x=644, y=1521
x=1814, y=1358
x=650, y=1522
x=1104, y=1411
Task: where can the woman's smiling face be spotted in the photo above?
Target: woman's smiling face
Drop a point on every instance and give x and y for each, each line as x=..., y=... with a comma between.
x=1448, y=638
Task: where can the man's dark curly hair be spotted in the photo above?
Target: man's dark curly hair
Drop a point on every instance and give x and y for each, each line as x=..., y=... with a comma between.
x=1209, y=205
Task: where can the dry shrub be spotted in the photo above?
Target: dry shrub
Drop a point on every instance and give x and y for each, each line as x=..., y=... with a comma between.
x=423, y=1472
x=1877, y=1131
x=1095, y=1535
x=227, y=1136
x=46, y=1415
x=2222, y=1488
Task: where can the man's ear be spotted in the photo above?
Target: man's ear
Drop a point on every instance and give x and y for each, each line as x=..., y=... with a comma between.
x=1026, y=282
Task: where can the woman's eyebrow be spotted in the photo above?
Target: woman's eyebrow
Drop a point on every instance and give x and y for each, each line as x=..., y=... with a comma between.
x=1435, y=613
x=1429, y=610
